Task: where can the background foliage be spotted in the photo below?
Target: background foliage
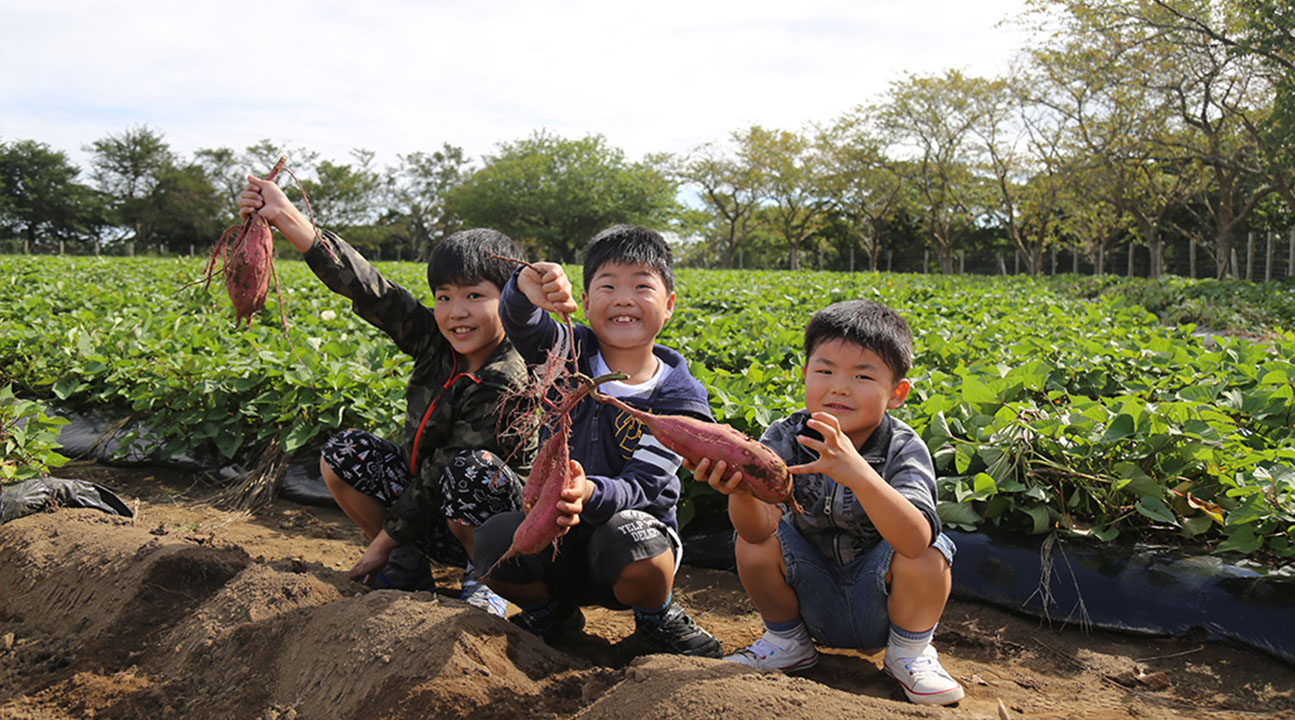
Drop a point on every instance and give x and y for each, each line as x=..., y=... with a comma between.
x=1049, y=404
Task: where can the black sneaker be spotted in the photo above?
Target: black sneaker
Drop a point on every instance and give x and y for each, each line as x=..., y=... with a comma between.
x=552, y=628
x=676, y=633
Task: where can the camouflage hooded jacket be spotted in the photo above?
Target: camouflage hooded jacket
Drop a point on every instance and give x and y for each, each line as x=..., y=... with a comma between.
x=447, y=409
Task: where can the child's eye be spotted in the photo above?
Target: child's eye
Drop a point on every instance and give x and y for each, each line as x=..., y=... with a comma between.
x=442, y=298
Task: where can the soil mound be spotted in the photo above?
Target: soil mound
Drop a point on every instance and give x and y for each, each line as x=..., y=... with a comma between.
x=191, y=612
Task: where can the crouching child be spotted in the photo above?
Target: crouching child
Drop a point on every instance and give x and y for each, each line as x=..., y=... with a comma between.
x=621, y=548
x=866, y=564
x=453, y=468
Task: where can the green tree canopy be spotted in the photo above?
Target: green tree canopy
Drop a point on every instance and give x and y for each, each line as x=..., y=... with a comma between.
x=555, y=193
x=40, y=197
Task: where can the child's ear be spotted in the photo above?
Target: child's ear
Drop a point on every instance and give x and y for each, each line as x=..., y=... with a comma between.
x=899, y=394
x=669, y=306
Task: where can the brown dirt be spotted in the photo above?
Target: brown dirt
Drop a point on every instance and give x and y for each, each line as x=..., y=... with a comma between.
x=192, y=612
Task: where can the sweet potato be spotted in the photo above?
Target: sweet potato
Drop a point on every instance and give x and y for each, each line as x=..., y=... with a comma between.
x=248, y=267
x=550, y=475
x=763, y=472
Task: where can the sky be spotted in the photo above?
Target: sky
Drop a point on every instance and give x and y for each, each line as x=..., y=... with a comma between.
x=400, y=76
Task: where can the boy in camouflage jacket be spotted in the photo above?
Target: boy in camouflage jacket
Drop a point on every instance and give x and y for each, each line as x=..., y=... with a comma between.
x=454, y=468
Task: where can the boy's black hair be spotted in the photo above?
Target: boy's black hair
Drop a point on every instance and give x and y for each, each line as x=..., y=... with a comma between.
x=464, y=259
x=629, y=245
x=871, y=326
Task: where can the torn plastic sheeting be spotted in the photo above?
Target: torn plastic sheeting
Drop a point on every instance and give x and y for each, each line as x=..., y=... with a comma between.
x=1151, y=590
x=37, y=494
x=303, y=484
x=101, y=436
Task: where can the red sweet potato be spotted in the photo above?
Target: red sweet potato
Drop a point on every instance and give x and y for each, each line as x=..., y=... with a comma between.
x=763, y=472
x=550, y=475
x=248, y=267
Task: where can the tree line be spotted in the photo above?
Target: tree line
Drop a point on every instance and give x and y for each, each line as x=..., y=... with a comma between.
x=1147, y=122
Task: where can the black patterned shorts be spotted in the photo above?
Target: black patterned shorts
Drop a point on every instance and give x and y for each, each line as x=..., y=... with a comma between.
x=474, y=485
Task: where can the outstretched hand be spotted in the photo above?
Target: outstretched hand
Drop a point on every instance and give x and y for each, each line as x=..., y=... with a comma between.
x=837, y=456
x=547, y=286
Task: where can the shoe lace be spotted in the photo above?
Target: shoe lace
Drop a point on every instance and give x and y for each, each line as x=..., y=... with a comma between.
x=761, y=648
x=923, y=665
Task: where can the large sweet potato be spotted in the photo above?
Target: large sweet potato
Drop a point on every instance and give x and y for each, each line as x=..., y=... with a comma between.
x=763, y=472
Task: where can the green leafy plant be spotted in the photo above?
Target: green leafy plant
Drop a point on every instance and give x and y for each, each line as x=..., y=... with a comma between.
x=28, y=439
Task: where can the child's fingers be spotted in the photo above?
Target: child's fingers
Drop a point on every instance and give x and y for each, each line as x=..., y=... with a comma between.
x=812, y=443
x=806, y=469
x=732, y=485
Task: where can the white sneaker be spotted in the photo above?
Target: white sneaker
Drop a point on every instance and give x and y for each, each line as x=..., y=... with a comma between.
x=771, y=652
x=476, y=594
x=923, y=678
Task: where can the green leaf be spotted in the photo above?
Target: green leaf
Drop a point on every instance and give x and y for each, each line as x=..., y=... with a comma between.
x=961, y=515
x=1155, y=508
x=975, y=391
x=1040, y=517
x=1121, y=427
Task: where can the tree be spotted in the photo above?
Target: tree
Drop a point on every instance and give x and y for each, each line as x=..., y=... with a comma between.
x=930, y=119
x=186, y=208
x=421, y=188
x=127, y=168
x=729, y=191
x=40, y=198
x=346, y=198
x=868, y=186
x=556, y=193
x=788, y=172
x=1193, y=107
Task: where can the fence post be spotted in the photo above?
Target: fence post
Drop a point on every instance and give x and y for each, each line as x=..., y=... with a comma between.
x=1250, y=256
x=962, y=262
x=1268, y=259
x=1290, y=264
x=1074, y=261
x=60, y=246
x=130, y=248
x=851, y=258
x=890, y=256
x=1236, y=268
x=1054, y=260
x=1016, y=262
x=1191, y=255
x=1130, y=258
x=926, y=257
x=740, y=266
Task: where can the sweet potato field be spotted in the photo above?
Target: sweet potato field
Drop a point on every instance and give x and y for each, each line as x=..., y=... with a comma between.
x=1050, y=405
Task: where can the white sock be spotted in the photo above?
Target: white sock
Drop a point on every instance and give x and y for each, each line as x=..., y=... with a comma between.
x=793, y=630
x=905, y=643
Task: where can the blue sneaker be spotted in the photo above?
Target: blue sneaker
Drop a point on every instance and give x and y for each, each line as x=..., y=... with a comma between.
x=476, y=594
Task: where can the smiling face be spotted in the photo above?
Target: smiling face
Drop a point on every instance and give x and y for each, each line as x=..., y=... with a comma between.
x=854, y=384
x=468, y=316
x=626, y=305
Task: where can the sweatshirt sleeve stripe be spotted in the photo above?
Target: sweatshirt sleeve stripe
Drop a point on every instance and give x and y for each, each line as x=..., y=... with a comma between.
x=651, y=451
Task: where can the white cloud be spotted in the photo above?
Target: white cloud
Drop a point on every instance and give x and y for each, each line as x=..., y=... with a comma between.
x=398, y=76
